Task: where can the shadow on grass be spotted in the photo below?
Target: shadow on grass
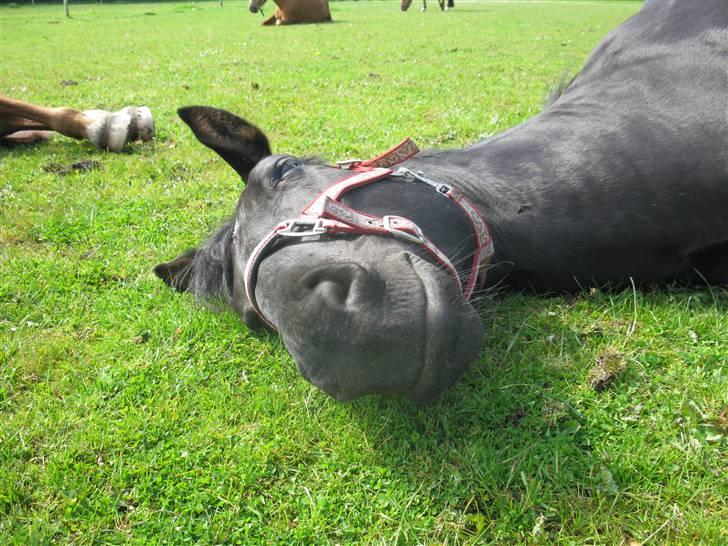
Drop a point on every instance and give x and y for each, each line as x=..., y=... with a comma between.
x=518, y=429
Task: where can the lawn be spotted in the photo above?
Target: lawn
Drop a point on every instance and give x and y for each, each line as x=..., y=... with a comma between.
x=131, y=414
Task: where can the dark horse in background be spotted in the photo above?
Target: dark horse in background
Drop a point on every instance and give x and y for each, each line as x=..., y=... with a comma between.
x=624, y=177
x=405, y=4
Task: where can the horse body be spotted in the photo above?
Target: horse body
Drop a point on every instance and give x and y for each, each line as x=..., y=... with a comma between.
x=105, y=129
x=624, y=176
x=290, y=12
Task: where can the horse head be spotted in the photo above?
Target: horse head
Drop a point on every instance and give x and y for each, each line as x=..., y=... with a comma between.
x=361, y=311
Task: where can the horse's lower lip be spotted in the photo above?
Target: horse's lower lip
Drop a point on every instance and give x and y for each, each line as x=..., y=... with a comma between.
x=253, y=9
x=453, y=334
x=432, y=341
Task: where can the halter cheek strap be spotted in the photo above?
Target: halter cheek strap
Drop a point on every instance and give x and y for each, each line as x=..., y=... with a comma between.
x=327, y=215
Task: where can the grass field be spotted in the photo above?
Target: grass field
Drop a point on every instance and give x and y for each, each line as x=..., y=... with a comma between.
x=129, y=414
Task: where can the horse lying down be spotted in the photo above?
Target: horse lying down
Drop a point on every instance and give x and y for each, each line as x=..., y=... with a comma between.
x=290, y=12
x=366, y=272
x=23, y=122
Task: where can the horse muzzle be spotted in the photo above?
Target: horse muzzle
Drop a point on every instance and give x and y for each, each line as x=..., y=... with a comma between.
x=395, y=325
x=255, y=6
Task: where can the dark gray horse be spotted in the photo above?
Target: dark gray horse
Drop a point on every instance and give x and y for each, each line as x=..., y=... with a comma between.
x=623, y=176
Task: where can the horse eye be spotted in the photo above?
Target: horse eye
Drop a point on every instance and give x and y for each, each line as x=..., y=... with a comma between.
x=285, y=166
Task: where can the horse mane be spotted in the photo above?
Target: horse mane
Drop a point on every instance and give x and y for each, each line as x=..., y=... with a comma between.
x=211, y=270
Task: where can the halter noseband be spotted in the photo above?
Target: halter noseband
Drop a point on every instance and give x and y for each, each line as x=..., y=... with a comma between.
x=327, y=215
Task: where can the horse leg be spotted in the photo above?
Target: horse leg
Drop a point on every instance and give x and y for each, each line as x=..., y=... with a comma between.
x=281, y=18
x=25, y=137
x=12, y=124
x=424, y=5
x=106, y=130
x=442, y=4
x=15, y=130
x=16, y=115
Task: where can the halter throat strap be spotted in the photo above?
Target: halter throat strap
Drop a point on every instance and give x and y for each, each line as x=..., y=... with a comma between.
x=326, y=215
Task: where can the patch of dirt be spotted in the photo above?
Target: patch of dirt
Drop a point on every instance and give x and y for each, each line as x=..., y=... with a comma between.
x=722, y=420
x=62, y=170
x=609, y=364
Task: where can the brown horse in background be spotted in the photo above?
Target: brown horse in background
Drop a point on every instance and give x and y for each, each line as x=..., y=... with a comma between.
x=289, y=12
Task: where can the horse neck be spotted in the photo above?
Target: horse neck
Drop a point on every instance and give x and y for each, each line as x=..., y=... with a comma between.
x=532, y=184
x=506, y=173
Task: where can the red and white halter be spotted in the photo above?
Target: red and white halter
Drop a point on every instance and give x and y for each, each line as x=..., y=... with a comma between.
x=327, y=215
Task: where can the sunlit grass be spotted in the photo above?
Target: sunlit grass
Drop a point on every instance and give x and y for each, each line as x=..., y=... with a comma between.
x=129, y=413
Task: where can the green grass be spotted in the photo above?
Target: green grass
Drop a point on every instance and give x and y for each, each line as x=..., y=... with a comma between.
x=129, y=414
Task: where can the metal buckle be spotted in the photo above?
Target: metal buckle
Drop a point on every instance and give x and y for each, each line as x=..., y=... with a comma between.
x=348, y=163
x=406, y=174
x=418, y=237
x=316, y=225
x=412, y=176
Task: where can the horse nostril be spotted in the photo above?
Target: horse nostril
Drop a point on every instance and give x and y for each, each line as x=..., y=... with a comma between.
x=333, y=291
x=340, y=286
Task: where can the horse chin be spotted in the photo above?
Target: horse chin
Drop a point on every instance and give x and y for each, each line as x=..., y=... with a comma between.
x=399, y=326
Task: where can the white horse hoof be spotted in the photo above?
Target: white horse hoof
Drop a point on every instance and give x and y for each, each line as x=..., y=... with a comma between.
x=142, y=124
x=111, y=130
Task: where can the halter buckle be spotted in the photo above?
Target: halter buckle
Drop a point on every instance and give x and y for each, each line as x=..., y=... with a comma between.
x=418, y=237
x=347, y=164
x=412, y=176
x=315, y=224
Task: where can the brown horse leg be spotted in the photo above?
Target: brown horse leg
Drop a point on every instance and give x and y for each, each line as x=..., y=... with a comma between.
x=108, y=131
x=273, y=19
x=15, y=130
x=12, y=124
x=17, y=115
x=442, y=4
x=25, y=137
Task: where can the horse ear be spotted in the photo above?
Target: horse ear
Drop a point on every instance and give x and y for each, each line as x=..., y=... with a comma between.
x=238, y=142
x=178, y=272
